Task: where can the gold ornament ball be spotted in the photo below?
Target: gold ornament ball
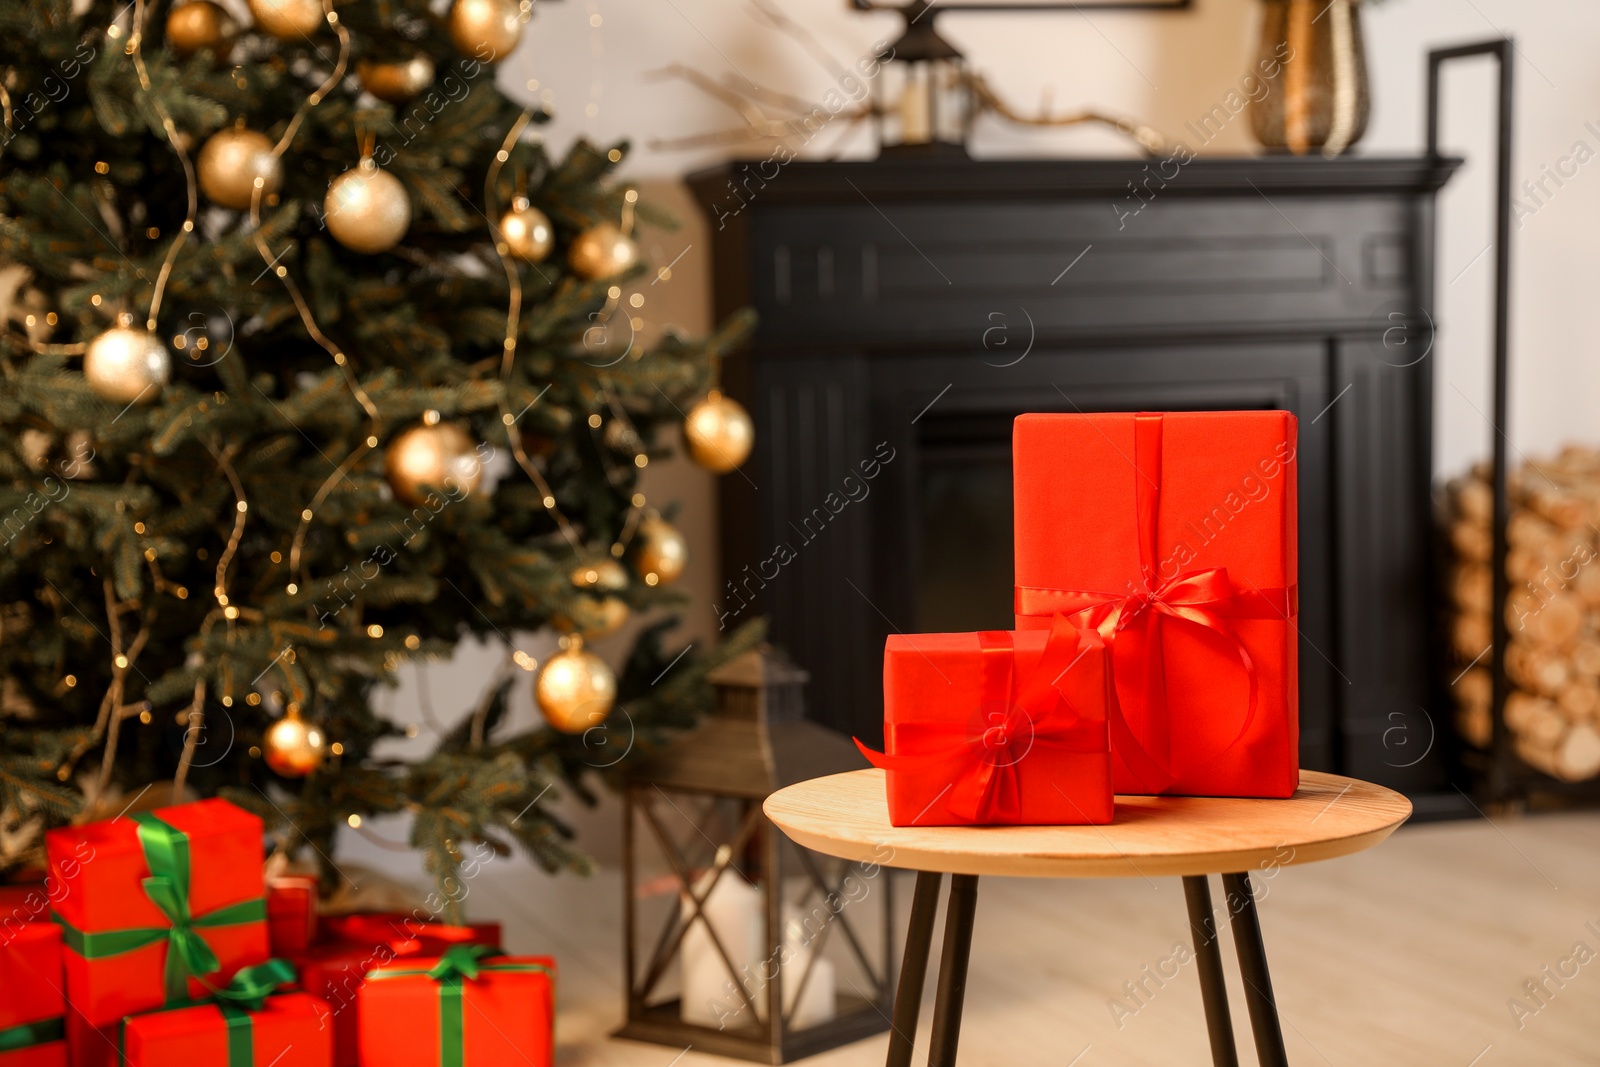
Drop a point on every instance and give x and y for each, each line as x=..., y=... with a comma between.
x=486, y=30
x=367, y=209
x=576, y=689
x=230, y=162
x=201, y=24
x=718, y=433
x=660, y=552
x=287, y=19
x=127, y=365
x=293, y=747
x=602, y=251
x=527, y=232
x=604, y=574
x=442, y=456
x=600, y=618
x=395, y=83
x=612, y=613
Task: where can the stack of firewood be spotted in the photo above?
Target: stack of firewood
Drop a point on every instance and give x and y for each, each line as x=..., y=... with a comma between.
x=1553, y=658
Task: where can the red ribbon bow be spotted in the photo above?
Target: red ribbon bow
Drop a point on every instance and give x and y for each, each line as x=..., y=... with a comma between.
x=1128, y=623
x=979, y=758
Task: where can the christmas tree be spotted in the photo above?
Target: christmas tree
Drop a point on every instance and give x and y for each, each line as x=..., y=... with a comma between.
x=316, y=364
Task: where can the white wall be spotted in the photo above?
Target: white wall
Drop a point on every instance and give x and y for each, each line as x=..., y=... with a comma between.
x=1165, y=69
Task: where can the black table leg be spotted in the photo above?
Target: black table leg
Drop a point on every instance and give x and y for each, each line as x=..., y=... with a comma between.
x=953, y=969
x=1208, y=960
x=1253, y=966
x=914, y=969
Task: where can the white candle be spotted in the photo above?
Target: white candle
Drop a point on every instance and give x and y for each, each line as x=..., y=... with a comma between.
x=734, y=910
x=916, y=117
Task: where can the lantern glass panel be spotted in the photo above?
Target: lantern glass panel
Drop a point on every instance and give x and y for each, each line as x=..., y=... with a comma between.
x=924, y=102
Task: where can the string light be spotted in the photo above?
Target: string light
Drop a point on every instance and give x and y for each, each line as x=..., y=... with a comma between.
x=307, y=319
x=509, y=346
x=170, y=129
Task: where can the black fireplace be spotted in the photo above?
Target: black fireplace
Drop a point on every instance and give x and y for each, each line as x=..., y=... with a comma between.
x=909, y=310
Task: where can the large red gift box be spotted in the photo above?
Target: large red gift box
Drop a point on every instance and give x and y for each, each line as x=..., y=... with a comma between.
x=996, y=728
x=468, y=1008
x=1174, y=535
x=288, y=1029
x=153, y=903
x=335, y=969
x=32, y=1004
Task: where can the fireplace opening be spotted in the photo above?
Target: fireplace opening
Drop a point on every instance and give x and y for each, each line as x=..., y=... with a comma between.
x=963, y=517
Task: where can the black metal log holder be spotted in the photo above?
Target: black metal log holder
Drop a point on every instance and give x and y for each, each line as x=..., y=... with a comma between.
x=1505, y=778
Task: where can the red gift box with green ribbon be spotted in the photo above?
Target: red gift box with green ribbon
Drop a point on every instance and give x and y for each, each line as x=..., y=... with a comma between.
x=996, y=728
x=1173, y=535
x=246, y=1024
x=356, y=944
x=169, y=904
x=471, y=1007
x=32, y=1006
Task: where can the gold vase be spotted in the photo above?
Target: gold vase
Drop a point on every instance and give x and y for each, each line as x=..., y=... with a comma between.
x=1314, y=64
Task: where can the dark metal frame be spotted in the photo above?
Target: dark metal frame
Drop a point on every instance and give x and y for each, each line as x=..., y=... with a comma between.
x=1501, y=784
x=958, y=923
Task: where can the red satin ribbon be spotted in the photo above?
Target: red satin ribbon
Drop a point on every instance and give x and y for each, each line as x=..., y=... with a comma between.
x=1127, y=622
x=979, y=757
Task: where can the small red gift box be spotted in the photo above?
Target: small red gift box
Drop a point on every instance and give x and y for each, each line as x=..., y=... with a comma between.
x=468, y=1008
x=154, y=902
x=291, y=913
x=996, y=728
x=32, y=1005
x=1173, y=535
x=27, y=902
x=335, y=969
x=288, y=1028
x=90, y=1046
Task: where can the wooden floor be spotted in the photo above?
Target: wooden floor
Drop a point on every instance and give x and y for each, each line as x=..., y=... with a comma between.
x=1405, y=955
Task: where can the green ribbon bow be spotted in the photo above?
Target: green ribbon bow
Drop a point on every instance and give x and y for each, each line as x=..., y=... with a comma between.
x=251, y=986
x=458, y=965
x=166, y=852
x=30, y=1034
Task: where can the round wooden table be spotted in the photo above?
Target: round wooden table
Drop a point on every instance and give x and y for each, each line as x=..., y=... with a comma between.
x=846, y=815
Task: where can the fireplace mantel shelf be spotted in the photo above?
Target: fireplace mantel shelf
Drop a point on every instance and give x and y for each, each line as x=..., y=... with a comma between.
x=816, y=182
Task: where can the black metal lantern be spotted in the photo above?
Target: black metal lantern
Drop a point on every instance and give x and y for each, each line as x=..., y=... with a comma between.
x=736, y=940
x=924, y=100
